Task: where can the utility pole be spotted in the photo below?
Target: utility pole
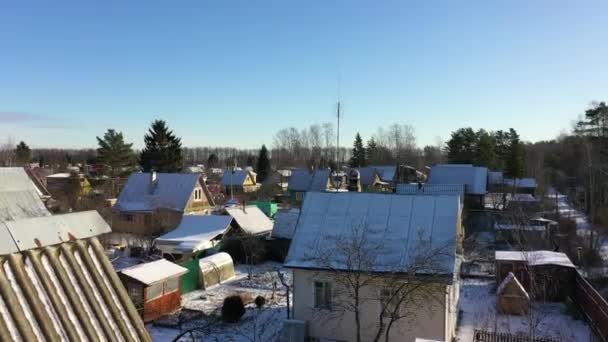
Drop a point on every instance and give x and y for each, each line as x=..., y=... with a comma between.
x=338, y=140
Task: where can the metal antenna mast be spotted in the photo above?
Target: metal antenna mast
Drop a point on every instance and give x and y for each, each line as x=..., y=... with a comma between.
x=338, y=130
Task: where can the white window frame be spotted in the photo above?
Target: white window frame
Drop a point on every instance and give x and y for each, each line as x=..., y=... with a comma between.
x=160, y=293
x=385, y=301
x=171, y=281
x=327, y=303
x=198, y=195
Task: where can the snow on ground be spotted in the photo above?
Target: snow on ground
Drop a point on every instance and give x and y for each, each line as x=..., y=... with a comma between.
x=255, y=325
x=478, y=306
x=565, y=208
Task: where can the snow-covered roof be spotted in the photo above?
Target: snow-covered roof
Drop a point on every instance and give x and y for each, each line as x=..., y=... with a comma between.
x=526, y=227
x=529, y=183
x=431, y=189
x=72, y=289
x=59, y=175
x=237, y=177
x=536, y=258
x=285, y=223
x=194, y=232
x=170, y=191
x=523, y=198
x=251, y=219
x=214, y=261
x=474, y=178
x=154, y=271
x=19, y=197
x=304, y=180
x=384, y=173
x=495, y=177
x=402, y=225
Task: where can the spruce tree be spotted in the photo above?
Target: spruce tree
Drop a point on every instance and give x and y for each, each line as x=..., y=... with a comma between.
x=23, y=154
x=485, y=150
x=371, y=152
x=358, y=156
x=263, y=167
x=114, y=154
x=515, y=161
x=163, y=151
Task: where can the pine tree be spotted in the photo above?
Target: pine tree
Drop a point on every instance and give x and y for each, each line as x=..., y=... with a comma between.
x=115, y=155
x=514, y=167
x=371, y=152
x=23, y=154
x=263, y=167
x=485, y=150
x=358, y=155
x=461, y=146
x=163, y=151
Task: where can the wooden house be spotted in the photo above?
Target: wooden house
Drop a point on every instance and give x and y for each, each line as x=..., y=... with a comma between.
x=153, y=203
x=239, y=181
x=303, y=181
x=154, y=287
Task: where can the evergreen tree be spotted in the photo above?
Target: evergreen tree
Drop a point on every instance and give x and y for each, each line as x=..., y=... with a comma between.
x=515, y=163
x=485, y=150
x=212, y=161
x=163, y=151
x=263, y=167
x=358, y=155
x=23, y=154
x=371, y=152
x=461, y=148
x=115, y=155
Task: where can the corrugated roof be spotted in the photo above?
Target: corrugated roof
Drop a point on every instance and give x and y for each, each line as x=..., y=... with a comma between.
x=474, y=178
x=171, y=191
x=19, y=197
x=252, y=220
x=304, y=180
x=536, y=258
x=154, y=271
x=194, y=231
x=237, y=177
x=285, y=223
x=398, y=224
x=66, y=292
x=431, y=189
x=319, y=181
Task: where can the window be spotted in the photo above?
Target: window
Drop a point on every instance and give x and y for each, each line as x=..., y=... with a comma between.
x=198, y=194
x=389, y=302
x=154, y=291
x=299, y=196
x=136, y=294
x=171, y=285
x=322, y=295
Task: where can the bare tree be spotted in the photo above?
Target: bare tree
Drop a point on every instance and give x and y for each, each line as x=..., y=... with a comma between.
x=254, y=249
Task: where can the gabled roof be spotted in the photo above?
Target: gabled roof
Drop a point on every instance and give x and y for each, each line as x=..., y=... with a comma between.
x=402, y=225
x=237, y=177
x=431, y=189
x=285, y=223
x=513, y=286
x=19, y=197
x=536, y=258
x=62, y=290
x=154, y=271
x=251, y=219
x=194, y=232
x=34, y=175
x=385, y=174
x=474, y=178
x=170, y=191
x=304, y=180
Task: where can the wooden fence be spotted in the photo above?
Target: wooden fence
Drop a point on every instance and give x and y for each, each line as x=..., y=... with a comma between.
x=491, y=336
x=593, y=306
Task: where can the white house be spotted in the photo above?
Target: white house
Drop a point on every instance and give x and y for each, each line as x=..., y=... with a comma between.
x=398, y=237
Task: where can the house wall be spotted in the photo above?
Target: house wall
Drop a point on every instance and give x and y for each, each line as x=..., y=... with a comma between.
x=145, y=223
x=436, y=322
x=163, y=305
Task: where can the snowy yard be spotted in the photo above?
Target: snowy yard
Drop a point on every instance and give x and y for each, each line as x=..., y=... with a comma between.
x=256, y=325
x=478, y=305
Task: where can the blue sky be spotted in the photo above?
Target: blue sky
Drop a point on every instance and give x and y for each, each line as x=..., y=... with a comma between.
x=232, y=73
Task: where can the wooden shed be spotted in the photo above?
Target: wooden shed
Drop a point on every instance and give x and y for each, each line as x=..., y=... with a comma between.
x=154, y=287
x=512, y=298
x=215, y=269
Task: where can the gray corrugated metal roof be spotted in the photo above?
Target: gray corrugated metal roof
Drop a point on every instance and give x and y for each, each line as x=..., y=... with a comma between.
x=15, y=179
x=172, y=191
x=285, y=223
x=474, y=178
x=65, y=292
x=394, y=222
x=431, y=189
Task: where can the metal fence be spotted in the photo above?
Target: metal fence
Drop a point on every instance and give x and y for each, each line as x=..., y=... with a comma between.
x=491, y=336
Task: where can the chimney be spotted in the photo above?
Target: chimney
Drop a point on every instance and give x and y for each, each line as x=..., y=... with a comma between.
x=153, y=182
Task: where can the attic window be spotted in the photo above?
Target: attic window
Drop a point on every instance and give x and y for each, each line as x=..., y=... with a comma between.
x=198, y=194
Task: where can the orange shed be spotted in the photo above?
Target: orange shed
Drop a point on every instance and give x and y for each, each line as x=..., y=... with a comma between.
x=154, y=287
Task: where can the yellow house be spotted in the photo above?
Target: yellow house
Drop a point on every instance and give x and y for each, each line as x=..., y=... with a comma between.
x=239, y=181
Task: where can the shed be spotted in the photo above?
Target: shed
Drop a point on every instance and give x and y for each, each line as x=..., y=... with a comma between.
x=154, y=287
x=269, y=208
x=250, y=219
x=512, y=298
x=215, y=269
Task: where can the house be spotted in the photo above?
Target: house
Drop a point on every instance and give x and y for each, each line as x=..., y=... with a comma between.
x=395, y=231
x=154, y=287
x=215, y=269
x=474, y=179
x=431, y=189
x=67, y=183
x=303, y=181
x=282, y=232
x=377, y=178
x=57, y=284
x=154, y=203
x=512, y=298
x=546, y=275
x=19, y=197
x=248, y=234
x=249, y=220
x=194, y=235
x=239, y=181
